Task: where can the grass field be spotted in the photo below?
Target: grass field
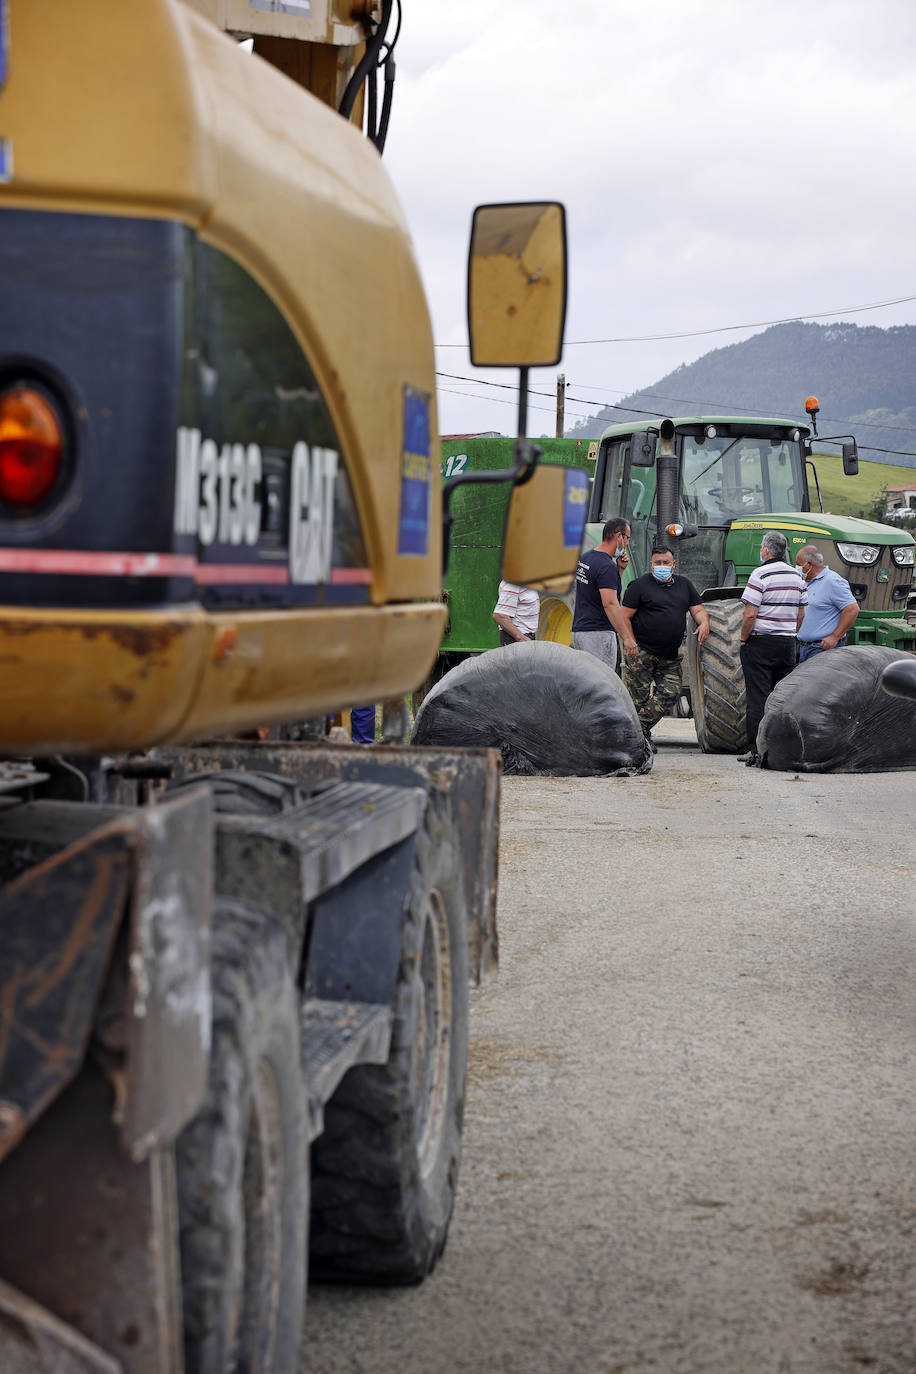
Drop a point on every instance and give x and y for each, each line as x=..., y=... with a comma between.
x=854, y=495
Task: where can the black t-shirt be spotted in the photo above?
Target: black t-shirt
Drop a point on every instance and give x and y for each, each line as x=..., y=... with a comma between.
x=661, y=610
x=595, y=570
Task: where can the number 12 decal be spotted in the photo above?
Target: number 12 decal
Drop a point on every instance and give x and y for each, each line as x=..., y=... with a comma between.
x=457, y=463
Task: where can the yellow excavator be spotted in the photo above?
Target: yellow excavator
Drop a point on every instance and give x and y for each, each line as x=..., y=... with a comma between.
x=233, y=970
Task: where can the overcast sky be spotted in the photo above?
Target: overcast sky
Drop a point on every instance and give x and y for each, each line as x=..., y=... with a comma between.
x=722, y=162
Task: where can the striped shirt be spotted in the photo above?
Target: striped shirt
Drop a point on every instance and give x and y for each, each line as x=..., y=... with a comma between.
x=778, y=592
x=520, y=604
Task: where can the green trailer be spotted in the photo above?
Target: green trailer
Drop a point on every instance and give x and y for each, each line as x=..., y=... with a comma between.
x=711, y=486
x=471, y=582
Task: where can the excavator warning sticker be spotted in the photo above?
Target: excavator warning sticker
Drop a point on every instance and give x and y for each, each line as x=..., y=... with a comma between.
x=416, y=475
x=6, y=144
x=574, y=504
x=4, y=40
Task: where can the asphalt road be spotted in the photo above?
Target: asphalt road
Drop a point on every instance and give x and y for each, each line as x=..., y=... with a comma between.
x=689, y=1138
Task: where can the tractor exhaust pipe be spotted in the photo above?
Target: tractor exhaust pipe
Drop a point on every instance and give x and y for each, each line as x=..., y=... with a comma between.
x=667, y=498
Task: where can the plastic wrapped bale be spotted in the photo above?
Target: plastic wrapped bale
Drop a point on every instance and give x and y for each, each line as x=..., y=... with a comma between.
x=831, y=715
x=546, y=708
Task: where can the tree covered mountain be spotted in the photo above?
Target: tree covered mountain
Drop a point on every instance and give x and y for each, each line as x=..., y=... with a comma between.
x=864, y=378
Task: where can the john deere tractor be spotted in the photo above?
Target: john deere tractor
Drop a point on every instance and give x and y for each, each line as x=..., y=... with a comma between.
x=710, y=487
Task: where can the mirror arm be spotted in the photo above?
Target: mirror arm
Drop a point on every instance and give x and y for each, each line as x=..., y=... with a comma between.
x=527, y=457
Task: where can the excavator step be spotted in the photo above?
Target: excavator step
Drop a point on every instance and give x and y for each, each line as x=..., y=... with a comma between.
x=339, y=828
x=335, y=1036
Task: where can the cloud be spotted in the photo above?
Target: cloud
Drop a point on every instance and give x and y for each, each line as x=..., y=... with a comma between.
x=720, y=163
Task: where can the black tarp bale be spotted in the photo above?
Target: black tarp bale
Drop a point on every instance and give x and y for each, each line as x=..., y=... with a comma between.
x=831, y=715
x=546, y=708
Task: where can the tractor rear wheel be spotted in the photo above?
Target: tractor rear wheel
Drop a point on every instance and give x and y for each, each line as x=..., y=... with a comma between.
x=555, y=618
x=716, y=680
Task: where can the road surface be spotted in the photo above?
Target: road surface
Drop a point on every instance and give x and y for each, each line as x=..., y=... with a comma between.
x=689, y=1137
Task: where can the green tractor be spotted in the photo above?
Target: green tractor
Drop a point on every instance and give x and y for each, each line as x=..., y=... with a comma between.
x=710, y=487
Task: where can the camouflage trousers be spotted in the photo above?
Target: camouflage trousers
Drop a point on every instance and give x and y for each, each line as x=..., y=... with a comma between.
x=645, y=672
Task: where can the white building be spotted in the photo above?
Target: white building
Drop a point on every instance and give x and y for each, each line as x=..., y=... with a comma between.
x=901, y=501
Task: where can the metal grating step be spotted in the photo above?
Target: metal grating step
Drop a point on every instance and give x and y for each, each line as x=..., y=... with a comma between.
x=335, y=1036
x=339, y=828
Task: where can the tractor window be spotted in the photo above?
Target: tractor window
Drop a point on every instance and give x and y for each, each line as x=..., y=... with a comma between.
x=723, y=478
x=784, y=479
x=731, y=476
x=612, y=492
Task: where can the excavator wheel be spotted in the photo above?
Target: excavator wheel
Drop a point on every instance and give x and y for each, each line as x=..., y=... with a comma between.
x=385, y=1169
x=242, y=1163
x=717, y=682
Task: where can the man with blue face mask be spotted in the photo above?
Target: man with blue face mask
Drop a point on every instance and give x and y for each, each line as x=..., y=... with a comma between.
x=657, y=605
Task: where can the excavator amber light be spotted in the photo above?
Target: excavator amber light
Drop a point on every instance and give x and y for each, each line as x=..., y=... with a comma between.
x=31, y=446
x=812, y=405
x=674, y=530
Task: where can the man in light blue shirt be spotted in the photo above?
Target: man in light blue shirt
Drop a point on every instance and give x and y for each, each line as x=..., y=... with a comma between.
x=831, y=609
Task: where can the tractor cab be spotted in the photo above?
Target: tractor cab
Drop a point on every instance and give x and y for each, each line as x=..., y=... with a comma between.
x=728, y=470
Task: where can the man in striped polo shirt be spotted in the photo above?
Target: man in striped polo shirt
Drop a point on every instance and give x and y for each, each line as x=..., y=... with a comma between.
x=516, y=613
x=774, y=607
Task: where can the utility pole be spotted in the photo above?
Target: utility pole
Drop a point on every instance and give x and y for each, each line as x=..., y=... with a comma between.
x=561, y=402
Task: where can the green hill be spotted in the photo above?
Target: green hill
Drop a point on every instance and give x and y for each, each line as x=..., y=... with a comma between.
x=864, y=378
x=844, y=495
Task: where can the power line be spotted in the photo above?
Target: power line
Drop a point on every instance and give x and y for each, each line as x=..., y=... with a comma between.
x=501, y=401
x=633, y=410
x=729, y=328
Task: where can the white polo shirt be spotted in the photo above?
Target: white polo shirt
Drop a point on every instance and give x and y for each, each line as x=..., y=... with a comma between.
x=777, y=591
x=521, y=604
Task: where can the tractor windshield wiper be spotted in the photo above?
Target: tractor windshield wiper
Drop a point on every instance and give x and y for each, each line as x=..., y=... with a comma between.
x=718, y=458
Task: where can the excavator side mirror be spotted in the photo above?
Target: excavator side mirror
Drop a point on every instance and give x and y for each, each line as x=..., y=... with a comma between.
x=517, y=285
x=545, y=527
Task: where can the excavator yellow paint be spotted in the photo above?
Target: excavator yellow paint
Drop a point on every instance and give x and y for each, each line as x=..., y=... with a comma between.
x=179, y=122
x=117, y=681
x=158, y=114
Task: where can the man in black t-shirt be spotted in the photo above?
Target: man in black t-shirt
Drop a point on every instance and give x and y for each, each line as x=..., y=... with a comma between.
x=656, y=605
x=598, y=616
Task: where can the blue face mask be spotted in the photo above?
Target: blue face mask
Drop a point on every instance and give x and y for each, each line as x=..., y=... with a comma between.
x=662, y=572
x=619, y=554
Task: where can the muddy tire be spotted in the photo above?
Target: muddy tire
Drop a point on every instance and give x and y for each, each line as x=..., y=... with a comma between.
x=384, y=1171
x=242, y=1163
x=717, y=682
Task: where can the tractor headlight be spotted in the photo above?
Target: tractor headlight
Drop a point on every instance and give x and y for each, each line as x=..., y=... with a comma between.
x=858, y=553
x=902, y=555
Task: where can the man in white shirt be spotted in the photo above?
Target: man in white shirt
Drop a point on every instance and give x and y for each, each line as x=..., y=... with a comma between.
x=516, y=613
x=774, y=607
